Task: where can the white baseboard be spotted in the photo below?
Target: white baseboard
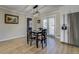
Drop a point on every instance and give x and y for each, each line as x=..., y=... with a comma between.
x=13, y=38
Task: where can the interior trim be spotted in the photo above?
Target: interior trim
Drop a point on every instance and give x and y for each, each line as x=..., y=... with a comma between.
x=12, y=38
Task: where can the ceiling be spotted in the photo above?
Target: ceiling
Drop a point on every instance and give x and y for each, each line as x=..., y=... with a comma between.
x=28, y=9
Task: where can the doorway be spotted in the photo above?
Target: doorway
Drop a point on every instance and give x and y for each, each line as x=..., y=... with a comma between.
x=29, y=28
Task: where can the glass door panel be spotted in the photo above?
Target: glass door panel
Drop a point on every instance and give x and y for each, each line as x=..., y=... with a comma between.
x=51, y=26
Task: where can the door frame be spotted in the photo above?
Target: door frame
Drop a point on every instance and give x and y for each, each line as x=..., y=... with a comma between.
x=28, y=19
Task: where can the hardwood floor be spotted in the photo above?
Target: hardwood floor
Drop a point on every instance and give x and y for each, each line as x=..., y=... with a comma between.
x=19, y=46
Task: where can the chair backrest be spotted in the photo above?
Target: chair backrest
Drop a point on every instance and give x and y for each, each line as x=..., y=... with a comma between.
x=32, y=34
x=44, y=33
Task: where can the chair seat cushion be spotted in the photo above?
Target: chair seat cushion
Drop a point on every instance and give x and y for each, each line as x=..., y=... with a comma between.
x=39, y=37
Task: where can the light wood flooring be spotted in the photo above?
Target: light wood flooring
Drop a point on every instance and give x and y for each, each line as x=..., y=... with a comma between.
x=19, y=46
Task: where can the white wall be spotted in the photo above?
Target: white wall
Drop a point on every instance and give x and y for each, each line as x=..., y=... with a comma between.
x=57, y=26
x=10, y=31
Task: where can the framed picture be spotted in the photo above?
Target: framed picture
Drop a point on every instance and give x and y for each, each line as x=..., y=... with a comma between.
x=11, y=19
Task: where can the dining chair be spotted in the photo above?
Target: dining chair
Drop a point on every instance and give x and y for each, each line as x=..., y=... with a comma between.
x=41, y=37
x=32, y=37
x=44, y=33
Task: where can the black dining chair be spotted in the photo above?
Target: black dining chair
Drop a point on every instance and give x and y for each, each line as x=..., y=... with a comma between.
x=32, y=37
x=41, y=36
x=44, y=33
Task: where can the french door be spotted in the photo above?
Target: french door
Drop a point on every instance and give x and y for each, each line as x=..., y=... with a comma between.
x=49, y=24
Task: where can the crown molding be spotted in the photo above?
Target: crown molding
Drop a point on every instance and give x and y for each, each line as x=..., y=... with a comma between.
x=10, y=10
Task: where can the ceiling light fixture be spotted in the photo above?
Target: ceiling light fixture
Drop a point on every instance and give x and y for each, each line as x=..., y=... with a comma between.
x=35, y=10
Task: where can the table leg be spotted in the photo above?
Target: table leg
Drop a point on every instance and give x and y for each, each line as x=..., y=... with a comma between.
x=37, y=43
x=27, y=40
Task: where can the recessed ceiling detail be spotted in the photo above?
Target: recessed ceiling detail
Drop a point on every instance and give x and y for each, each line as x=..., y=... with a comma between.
x=28, y=9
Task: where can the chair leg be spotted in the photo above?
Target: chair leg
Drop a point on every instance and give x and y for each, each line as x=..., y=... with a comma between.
x=45, y=41
x=42, y=43
x=27, y=41
x=31, y=42
x=37, y=43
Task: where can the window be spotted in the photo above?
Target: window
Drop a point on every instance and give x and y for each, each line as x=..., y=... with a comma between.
x=51, y=25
